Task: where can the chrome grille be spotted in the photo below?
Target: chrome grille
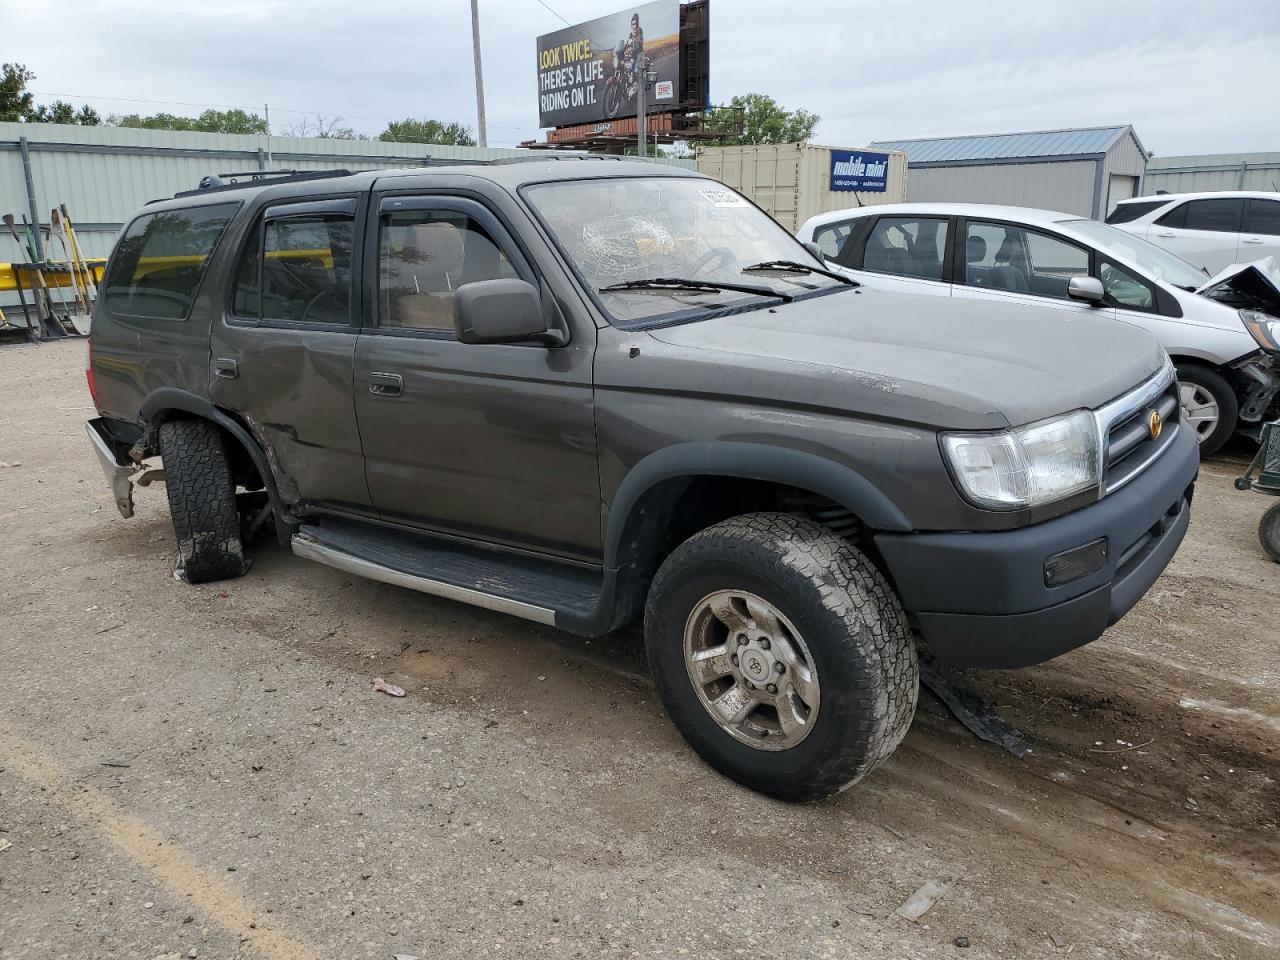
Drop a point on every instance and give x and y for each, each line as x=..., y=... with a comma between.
x=1126, y=445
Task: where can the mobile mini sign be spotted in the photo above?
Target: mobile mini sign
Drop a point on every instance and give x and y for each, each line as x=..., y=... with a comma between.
x=589, y=72
x=860, y=170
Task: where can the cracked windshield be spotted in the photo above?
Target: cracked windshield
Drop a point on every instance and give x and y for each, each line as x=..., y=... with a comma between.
x=704, y=241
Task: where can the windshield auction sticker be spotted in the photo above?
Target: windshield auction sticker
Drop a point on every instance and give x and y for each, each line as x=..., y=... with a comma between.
x=723, y=198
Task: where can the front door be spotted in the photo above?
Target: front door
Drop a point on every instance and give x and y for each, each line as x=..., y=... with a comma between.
x=489, y=441
x=1007, y=262
x=283, y=353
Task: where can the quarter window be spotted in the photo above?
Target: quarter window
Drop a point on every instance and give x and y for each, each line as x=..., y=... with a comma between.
x=907, y=246
x=1009, y=257
x=423, y=257
x=1264, y=216
x=159, y=262
x=1220, y=215
x=832, y=238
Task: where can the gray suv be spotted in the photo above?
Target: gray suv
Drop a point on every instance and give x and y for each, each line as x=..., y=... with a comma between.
x=590, y=392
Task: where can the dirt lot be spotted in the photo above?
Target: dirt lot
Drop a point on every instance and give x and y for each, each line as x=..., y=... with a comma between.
x=207, y=771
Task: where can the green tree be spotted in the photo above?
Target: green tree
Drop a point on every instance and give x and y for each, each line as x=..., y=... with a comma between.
x=62, y=112
x=16, y=102
x=428, y=131
x=211, y=121
x=758, y=118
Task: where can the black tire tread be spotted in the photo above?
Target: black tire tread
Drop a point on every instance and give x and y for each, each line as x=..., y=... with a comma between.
x=202, y=501
x=1269, y=532
x=876, y=641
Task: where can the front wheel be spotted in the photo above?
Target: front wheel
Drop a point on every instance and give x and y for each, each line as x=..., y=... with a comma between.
x=1209, y=406
x=1269, y=532
x=781, y=654
x=612, y=97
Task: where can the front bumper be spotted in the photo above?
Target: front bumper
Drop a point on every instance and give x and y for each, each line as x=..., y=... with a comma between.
x=980, y=599
x=118, y=470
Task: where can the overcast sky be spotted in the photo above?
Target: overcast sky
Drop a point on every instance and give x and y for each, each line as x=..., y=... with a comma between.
x=1192, y=77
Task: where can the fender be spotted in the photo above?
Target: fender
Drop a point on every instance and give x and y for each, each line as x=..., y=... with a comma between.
x=748, y=461
x=156, y=409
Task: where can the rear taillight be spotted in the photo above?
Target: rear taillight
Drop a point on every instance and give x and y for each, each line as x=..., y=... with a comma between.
x=88, y=375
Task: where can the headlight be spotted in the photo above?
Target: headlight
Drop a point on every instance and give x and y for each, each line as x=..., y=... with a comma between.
x=1266, y=330
x=1026, y=466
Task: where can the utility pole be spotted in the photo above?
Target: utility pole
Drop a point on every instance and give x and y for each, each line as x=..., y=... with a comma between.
x=266, y=119
x=481, y=137
x=647, y=79
x=641, y=132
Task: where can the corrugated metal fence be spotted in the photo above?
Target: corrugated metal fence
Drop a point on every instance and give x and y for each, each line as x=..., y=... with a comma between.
x=104, y=174
x=1215, y=171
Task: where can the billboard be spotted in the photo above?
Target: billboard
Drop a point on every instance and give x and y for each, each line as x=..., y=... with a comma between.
x=861, y=170
x=581, y=78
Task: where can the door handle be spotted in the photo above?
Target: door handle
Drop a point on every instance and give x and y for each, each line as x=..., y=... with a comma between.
x=1252, y=240
x=1167, y=233
x=386, y=384
x=226, y=368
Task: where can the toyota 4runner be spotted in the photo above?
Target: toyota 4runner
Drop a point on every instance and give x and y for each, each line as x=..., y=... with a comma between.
x=590, y=392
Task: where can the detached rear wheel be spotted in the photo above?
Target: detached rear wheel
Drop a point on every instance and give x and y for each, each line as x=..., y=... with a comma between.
x=202, y=501
x=1209, y=406
x=782, y=655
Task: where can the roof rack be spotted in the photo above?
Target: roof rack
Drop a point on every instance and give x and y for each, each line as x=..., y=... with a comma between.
x=229, y=181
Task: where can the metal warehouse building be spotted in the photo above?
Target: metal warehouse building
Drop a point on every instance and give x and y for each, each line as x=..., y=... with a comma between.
x=1085, y=171
x=1214, y=171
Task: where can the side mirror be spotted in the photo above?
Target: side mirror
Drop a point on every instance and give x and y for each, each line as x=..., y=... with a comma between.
x=1088, y=289
x=815, y=250
x=498, y=311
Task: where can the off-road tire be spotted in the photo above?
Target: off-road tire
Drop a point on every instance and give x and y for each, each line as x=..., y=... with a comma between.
x=1223, y=394
x=1269, y=532
x=850, y=619
x=202, y=501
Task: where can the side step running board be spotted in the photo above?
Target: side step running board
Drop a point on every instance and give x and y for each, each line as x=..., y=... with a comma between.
x=534, y=588
x=312, y=549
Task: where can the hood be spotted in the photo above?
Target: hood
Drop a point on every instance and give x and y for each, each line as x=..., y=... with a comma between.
x=939, y=361
x=1247, y=286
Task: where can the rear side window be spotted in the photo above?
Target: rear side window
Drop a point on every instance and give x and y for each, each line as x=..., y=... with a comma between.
x=1220, y=215
x=1127, y=212
x=297, y=268
x=1264, y=216
x=159, y=262
x=907, y=246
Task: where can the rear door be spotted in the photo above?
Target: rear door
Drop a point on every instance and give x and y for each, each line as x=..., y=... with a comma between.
x=906, y=254
x=283, y=353
x=489, y=441
x=1206, y=232
x=1261, y=234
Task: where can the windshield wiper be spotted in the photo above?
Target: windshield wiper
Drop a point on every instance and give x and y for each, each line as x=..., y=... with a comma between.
x=793, y=266
x=697, y=286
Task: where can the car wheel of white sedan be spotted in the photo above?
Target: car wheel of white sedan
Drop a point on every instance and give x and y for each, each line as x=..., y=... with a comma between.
x=1209, y=406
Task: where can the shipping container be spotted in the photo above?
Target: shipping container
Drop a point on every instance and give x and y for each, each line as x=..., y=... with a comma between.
x=795, y=181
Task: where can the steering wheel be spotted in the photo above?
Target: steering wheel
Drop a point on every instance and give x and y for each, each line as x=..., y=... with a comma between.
x=721, y=255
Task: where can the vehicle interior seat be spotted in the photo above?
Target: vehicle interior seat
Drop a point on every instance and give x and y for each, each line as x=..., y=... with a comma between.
x=883, y=257
x=926, y=256
x=424, y=276
x=1004, y=275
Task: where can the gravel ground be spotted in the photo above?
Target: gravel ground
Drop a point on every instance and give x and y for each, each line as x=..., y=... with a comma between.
x=208, y=772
